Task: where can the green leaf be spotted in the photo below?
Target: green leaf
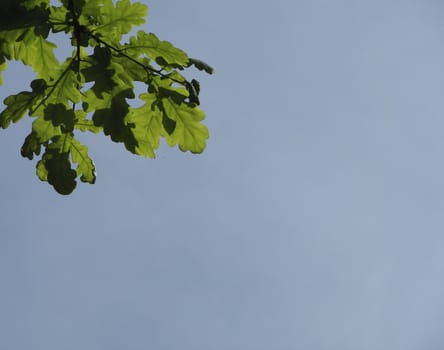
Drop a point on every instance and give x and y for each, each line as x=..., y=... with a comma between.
x=24, y=28
x=17, y=107
x=110, y=22
x=126, y=15
x=42, y=58
x=82, y=123
x=132, y=70
x=67, y=87
x=190, y=134
x=16, y=44
x=112, y=119
x=152, y=47
x=146, y=126
x=86, y=168
x=41, y=171
x=96, y=68
x=165, y=87
x=58, y=18
x=90, y=90
x=55, y=166
x=3, y=67
x=45, y=130
x=91, y=11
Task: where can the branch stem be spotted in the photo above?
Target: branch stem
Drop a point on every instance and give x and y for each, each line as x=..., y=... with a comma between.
x=132, y=59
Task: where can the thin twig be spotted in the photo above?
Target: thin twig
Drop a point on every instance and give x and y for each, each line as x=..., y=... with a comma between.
x=53, y=87
x=76, y=25
x=132, y=59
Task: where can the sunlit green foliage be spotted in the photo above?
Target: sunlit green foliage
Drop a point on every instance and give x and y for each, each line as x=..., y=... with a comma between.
x=91, y=89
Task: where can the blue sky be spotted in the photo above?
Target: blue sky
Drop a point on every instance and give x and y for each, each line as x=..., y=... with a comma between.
x=314, y=219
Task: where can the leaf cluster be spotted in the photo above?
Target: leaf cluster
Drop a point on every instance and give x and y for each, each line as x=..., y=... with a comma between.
x=91, y=90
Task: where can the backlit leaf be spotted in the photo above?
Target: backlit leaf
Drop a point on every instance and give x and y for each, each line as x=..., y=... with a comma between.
x=92, y=89
x=45, y=130
x=110, y=21
x=67, y=88
x=112, y=119
x=3, y=67
x=190, y=134
x=17, y=107
x=58, y=17
x=55, y=165
x=86, y=168
x=84, y=124
x=149, y=45
x=146, y=125
x=43, y=61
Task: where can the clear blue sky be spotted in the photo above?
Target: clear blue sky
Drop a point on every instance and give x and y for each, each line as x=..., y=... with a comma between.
x=314, y=219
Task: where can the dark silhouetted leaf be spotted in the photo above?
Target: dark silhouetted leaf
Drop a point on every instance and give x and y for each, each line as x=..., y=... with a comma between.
x=201, y=65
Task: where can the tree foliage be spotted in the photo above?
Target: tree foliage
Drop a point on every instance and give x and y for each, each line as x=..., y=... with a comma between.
x=90, y=91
